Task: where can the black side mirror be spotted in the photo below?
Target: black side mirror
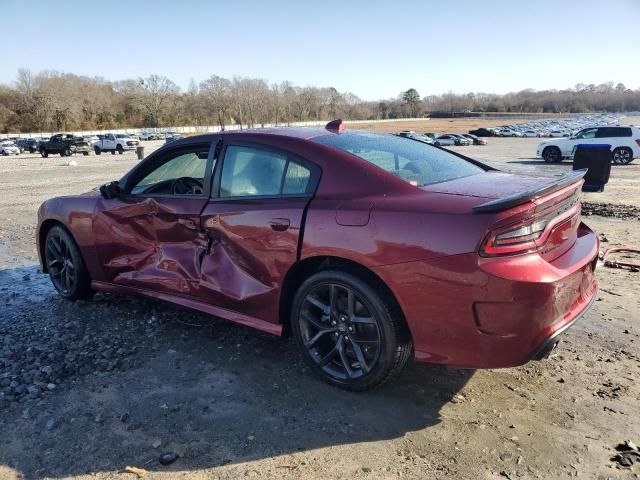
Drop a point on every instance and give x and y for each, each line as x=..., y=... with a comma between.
x=110, y=190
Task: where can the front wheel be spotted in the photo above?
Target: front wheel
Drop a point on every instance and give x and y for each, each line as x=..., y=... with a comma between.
x=120, y=149
x=65, y=266
x=44, y=153
x=97, y=150
x=552, y=155
x=622, y=156
x=351, y=336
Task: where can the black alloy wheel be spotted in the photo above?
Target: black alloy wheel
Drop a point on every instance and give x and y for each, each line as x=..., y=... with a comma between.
x=348, y=332
x=65, y=266
x=552, y=155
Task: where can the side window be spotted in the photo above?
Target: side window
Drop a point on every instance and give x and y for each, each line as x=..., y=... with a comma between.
x=609, y=132
x=587, y=133
x=249, y=171
x=181, y=173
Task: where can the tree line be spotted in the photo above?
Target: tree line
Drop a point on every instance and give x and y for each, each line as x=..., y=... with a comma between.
x=55, y=101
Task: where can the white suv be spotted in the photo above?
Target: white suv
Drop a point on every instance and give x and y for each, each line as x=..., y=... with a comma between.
x=624, y=141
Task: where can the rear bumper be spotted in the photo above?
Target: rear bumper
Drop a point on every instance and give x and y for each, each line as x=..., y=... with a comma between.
x=473, y=312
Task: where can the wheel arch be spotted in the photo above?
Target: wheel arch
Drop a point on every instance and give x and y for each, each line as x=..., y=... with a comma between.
x=303, y=269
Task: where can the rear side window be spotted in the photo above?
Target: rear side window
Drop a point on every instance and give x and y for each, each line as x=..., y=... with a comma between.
x=609, y=132
x=249, y=171
x=416, y=162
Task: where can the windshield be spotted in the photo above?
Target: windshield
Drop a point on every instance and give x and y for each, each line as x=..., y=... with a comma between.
x=416, y=162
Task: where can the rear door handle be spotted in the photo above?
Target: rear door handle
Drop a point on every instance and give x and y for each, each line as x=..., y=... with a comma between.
x=279, y=224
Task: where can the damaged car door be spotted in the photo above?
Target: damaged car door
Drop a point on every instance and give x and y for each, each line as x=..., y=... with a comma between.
x=253, y=223
x=149, y=236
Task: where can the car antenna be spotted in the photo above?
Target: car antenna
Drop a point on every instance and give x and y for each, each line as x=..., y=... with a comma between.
x=335, y=126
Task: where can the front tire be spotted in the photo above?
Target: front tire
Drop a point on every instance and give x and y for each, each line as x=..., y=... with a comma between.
x=97, y=150
x=65, y=265
x=44, y=153
x=552, y=155
x=353, y=337
x=622, y=156
x=120, y=149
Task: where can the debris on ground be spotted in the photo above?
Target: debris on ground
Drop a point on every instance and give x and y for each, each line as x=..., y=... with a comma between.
x=168, y=458
x=138, y=472
x=628, y=454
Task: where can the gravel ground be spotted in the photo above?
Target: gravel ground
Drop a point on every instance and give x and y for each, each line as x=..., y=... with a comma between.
x=88, y=388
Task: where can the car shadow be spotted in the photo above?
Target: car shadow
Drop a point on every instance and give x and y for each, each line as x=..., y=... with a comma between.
x=213, y=392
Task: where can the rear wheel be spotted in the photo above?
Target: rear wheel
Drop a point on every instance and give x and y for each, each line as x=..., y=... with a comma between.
x=113, y=152
x=622, y=156
x=352, y=337
x=85, y=154
x=552, y=155
x=64, y=263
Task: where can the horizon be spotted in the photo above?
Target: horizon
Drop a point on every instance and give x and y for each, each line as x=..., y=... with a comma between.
x=252, y=39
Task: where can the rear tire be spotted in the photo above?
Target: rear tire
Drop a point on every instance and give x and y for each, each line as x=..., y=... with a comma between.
x=552, y=155
x=86, y=154
x=113, y=152
x=353, y=337
x=622, y=156
x=65, y=265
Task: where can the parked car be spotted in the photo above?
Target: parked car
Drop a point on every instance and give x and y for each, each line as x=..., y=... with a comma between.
x=624, y=141
x=65, y=145
x=446, y=140
x=9, y=148
x=427, y=253
x=416, y=136
x=483, y=132
x=148, y=136
x=507, y=132
x=115, y=143
x=474, y=139
x=462, y=140
x=28, y=144
x=531, y=133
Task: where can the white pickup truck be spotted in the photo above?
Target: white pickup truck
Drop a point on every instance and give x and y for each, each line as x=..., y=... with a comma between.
x=115, y=143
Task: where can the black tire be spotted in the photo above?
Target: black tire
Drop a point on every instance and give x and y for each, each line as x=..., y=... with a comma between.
x=622, y=156
x=66, y=152
x=97, y=150
x=44, y=153
x=353, y=337
x=120, y=149
x=86, y=154
x=437, y=144
x=65, y=265
x=552, y=155
x=113, y=152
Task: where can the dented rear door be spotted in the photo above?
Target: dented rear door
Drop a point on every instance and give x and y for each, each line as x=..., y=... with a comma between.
x=254, y=225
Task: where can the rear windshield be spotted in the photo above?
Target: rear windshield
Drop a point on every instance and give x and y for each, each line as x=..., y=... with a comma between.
x=416, y=162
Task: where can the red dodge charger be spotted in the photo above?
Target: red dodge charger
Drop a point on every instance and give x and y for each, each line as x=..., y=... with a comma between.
x=367, y=248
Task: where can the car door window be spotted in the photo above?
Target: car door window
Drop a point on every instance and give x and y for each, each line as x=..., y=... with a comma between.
x=180, y=173
x=587, y=134
x=249, y=171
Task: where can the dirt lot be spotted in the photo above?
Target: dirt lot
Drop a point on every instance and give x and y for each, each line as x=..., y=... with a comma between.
x=87, y=388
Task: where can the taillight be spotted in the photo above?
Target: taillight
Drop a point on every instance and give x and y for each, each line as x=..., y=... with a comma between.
x=525, y=236
x=638, y=141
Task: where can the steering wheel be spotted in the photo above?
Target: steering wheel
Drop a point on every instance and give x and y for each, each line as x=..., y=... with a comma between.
x=186, y=186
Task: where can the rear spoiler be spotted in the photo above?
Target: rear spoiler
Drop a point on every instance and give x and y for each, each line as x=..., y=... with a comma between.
x=516, y=199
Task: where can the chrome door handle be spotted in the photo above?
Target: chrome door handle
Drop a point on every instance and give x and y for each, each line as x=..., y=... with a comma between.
x=279, y=224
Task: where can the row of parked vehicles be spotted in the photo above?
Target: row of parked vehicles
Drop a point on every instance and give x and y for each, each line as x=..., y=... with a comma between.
x=66, y=144
x=548, y=128
x=445, y=140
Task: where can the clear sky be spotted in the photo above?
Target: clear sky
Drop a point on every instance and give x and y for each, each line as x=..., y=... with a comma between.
x=372, y=48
